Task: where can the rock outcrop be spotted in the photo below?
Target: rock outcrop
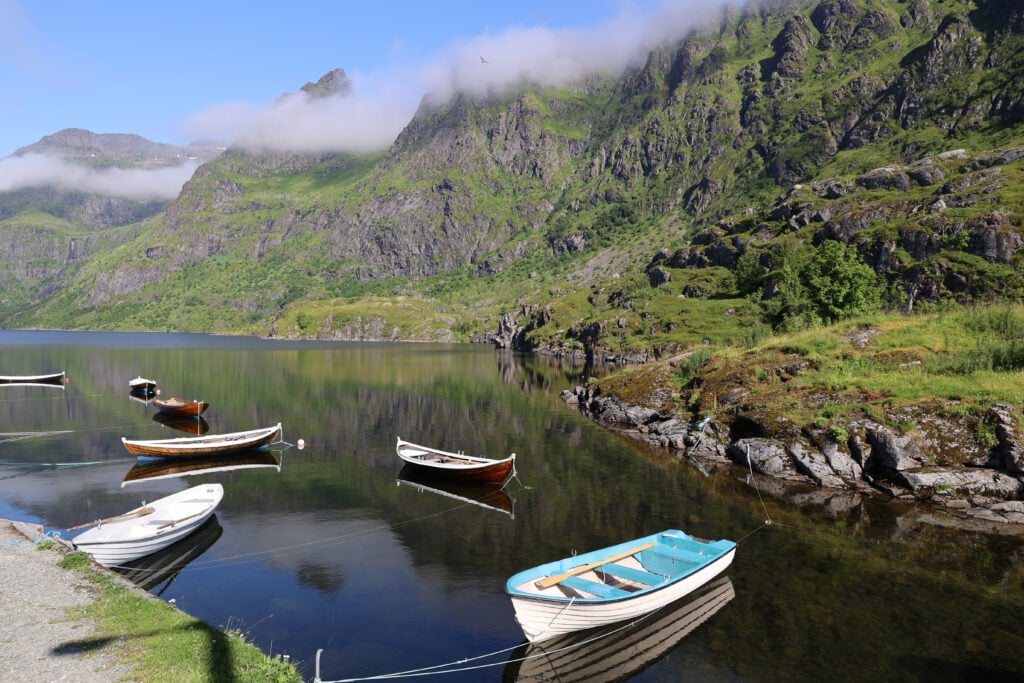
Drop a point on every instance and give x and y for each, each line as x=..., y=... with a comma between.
x=873, y=458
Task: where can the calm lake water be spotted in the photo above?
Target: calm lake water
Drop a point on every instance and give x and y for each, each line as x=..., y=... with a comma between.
x=332, y=549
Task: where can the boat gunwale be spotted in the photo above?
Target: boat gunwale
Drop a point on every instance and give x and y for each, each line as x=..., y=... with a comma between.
x=206, y=440
x=518, y=594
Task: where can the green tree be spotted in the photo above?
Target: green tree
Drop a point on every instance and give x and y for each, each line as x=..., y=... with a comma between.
x=748, y=273
x=839, y=284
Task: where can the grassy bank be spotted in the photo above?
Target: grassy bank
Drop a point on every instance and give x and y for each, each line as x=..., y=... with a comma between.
x=165, y=644
x=896, y=370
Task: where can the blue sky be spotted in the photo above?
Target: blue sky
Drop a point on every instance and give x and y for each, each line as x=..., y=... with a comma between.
x=180, y=71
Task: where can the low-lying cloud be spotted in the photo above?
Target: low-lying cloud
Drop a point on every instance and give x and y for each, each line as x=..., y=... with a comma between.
x=43, y=170
x=381, y=104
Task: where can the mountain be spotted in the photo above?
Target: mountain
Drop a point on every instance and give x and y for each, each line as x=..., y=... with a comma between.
x=627, y=214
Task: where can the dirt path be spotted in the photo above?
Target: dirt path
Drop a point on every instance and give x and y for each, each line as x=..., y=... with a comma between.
x=38, y=640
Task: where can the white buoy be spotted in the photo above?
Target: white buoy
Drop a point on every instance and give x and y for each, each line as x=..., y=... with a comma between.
x=301, y=444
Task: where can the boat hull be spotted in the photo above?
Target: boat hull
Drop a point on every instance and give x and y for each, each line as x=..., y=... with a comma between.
x=455, y=466
x=618, y=651
x=556, y=612
x=164, y=565
x=175, y=407
x=204, y=446
x=142, y=386
x=174, y=517
x=57, y=379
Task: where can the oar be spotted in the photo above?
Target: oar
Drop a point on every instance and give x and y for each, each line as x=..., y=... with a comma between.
x=134, y=513
x=179, y=521
x=558, y=578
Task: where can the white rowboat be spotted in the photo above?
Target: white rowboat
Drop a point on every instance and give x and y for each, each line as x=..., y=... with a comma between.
x=150, y=527
x=613, y=584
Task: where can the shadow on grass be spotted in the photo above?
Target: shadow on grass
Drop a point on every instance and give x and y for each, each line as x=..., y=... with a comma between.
x=221, y=661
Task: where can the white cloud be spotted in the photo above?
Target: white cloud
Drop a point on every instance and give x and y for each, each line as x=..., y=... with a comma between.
x=382, y=103
x=41, y=170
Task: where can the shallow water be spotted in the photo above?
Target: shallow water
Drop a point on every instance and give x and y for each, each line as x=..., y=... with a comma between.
x=332, y=549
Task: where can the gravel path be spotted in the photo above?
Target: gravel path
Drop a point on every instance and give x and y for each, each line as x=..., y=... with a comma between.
x=39, y=641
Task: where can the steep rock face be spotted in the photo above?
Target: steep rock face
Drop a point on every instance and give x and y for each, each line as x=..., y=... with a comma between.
x=714, y=119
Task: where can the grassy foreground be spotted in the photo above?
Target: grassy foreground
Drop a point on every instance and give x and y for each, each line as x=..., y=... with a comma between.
x=165, y=644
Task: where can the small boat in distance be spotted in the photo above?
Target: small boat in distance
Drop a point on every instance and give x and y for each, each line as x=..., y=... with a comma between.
x=181, y=408
x=455, y=465
x=149, y=528
x=613, y=584
x=56, y=379
x=141, y=386
x=207, y=445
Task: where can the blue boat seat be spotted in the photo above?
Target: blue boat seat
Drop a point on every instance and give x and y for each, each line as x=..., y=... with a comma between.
x=631, y=574
x=684, y=555
x=601, y=590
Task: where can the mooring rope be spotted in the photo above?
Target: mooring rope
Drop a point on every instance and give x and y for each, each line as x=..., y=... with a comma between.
x=752, y=478
x=438, y=668
x=18, y=436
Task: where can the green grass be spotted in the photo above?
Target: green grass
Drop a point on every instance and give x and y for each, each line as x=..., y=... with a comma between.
x=165, y=644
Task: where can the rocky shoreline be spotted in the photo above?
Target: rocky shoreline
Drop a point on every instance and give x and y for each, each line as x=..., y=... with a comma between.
x=872, y=460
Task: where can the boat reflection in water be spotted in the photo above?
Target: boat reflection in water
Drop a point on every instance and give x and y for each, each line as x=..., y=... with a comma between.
x=164, y=566
x=485, y=494
x=189, y=425
x=618, y=651
x=150, y=470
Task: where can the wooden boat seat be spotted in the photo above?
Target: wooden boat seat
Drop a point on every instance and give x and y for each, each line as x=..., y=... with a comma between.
x=631, y=574
x=601, y=590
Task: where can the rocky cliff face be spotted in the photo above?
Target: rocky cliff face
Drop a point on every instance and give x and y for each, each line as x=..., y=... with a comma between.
x=709, y=131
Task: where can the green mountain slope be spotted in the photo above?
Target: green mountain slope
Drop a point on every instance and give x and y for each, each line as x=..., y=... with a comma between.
x=609, y=217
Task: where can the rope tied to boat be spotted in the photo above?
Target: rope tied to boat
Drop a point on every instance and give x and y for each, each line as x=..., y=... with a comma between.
x=440, y=668
x=753, y=479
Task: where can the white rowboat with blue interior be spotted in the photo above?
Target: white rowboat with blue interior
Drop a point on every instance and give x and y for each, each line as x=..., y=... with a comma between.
x=150, y=527
x=613, y=584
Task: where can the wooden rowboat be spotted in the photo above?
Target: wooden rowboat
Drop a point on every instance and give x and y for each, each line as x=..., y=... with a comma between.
x=56, y=379
x=455, y=465
x=181, y=408
x=613, y=584
x=206, y=445
x=149, y=528
x=618, y=651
